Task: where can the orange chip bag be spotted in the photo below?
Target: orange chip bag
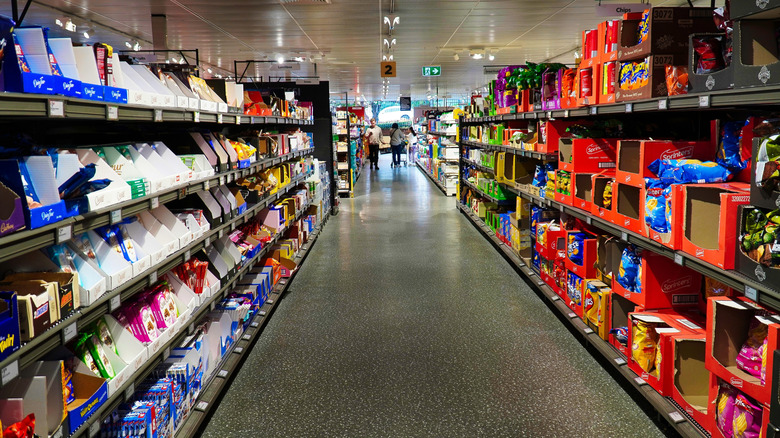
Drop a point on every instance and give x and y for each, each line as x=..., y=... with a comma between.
x=676, y=80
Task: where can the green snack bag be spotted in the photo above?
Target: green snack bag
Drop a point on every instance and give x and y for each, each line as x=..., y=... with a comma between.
x=755, y=222
x=99, y=355
x=83, y=353
x=101, y=328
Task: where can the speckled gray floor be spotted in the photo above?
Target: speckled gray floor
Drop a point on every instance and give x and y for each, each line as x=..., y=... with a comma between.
x=405, y=322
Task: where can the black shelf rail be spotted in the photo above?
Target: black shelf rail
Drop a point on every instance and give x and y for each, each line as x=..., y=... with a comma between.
x=55, y=336
x=91, y=426
x=511, y=150
x=478, y=166
x=725, y=99
x=441, y=134
x=16, y=244
x=211, y=392
x=665, y=409
x=24, y=106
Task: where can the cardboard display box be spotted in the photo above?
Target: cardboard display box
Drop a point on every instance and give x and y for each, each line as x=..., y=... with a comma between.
x=762, y=9
x=563, y=187
x=551, y=134
x=582, y=184
x=729, y=322
x=756, y=60
x=629, y=212
x=664, y=284
x=690, y=378
x=710, y=221
x=600, y=182
x=715, y=383
x=596, y=304
x=589, y=155
x=10, y=338
x=702, y=83
x=758, y=196
x=672, y=239
x=667, y=34
x=746, y=265
x=634, y=157
x=588, y=267
x=587, y=82
x=656, y=82
x=620, y=307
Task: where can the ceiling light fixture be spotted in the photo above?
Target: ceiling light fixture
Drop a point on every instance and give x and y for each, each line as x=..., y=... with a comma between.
x=137, y=46
x=390, y=43
x=208, y=70
x=70, y=25
x=456, y=57
x=392, y=20
x=280, y=60
x=492, y=57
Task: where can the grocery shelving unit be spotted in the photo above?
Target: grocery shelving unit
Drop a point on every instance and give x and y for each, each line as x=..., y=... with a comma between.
x=717, y=103
x=349, y=149
x=435, y=164
x=20, y=111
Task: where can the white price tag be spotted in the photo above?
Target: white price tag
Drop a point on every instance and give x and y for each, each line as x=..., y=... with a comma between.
x=196, y=116
x=238, y=350
x=252, y=121
x=261, y=313
x=56, y=108
x=9, y=372
x=202, y=406
x=153, y=277
x=58, y=433
x=560, y=207
x=588, y=331
x=751, y=293
x=213, y=305
x=246, y=337
x=704, y=101
x=663, y=104
x=624, y=236
x=269, y=301
x=629, y=107
x=678, y=258
x=222, y=180
x=158, y=116
x=130, y=391
x=555, y=298
x=676, y=417
x=115, y=216
x=620, y=361
x=222, y=373
x=219, y=118
x=155, y=202
x=572, y=315
x=255, y=324
x=187, y=255
x=221, y=233
x=549, y=114
x=594, y=110
x=191, y=329
x=588, y=220
x=238, y=120
x=207, y=242
x=69, y=332
x=64, y=233
x=114, y=303
x=640, y=381
x=112, y=112
x=166, y=353
x=94, y=428
x=566, y=113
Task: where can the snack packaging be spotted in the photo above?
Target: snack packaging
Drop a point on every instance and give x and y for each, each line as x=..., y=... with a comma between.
x=575, y=246
x=657, y=200
x=621, y=334
x=644, y=345
x=676, y=80
x=708, y=54
x=747, y=418
x=628, y=271
x=68, y=386
x=99, y=355
x=21, y=429
x=574, y=289
x=643, y=31
x=607, y=198
x=749, y=358
x=689, y=171
x=729, y=150
x=724, y=413
x=105, y=335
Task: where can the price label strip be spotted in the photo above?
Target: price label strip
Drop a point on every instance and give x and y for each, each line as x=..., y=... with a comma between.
x=9, y=372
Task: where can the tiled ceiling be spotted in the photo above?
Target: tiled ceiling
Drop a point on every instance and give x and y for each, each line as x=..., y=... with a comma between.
x=344, y=38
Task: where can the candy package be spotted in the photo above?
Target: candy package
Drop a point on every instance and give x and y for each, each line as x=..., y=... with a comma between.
x=104, y=334
x=67, y=386
x=689, y=171
x=657, y=199
x=676, y=80
x=644, y=344
x=163, y=306
x=21, y=429
x=629, y=269
x=749, y=357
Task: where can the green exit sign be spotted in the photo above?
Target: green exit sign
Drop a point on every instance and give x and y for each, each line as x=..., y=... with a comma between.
x=431, y=70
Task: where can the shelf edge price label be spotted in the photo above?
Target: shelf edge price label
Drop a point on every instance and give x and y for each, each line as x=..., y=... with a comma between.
x=676, y=417
x=207, y=242
x=9, y=372
x=751, y=293
x=255, y=324
x=112, y=112
x=94, y=428
x=202, y=406
x=187, y=255
x=704, y=101
x=158, y=115
x=130, y=391
x=238, y=350
x=166, y=353
x=115, y=216
x=663, y=104
x=59, y=432
x=588, y=330
x=678, y=258
x=572, y=315
x=222, y=373
x=629, y=107
x=640, y=381
x=114, y=303
x=246, y=337
x=238, y=120
x=624, y=236
x=594, y=110
x=153, y=277
x=222, y=180
x=69, y=332
x=620, y=361
x=219, y=118
x=566, y=114
x=56, y=108
x=196, y=116
x=155, y=202
x=206, y=186
x=64, y=233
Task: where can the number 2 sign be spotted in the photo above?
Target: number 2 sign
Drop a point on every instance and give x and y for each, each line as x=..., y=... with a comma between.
x=388, y=69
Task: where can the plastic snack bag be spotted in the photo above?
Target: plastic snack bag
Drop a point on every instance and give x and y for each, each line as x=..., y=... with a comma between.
x=657, y=198
x=689, y=171
x=21, y=429
x=729, y=150
x=708, y=54
x=763, y=350
x=644, y=343
x=643, y=31
x=628, y=271
x=575, y=247
x=607, y=197
x=676, y=80
x=724, y=414
x=749, y=358
x=621, y=334
x=747, y=418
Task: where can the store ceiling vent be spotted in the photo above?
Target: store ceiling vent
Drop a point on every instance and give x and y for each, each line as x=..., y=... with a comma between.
x=305, y=2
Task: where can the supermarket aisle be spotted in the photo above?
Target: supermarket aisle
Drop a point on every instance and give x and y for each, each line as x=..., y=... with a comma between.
x=391, y=329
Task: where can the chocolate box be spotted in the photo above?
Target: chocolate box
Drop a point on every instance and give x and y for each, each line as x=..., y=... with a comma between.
x=11, y=211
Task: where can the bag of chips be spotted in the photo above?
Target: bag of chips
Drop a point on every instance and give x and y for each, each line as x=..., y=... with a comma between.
x=749, y=357
x=689, y=171
x=628, y=271
x=676, y=80
x=747, y=418
x=729, y=150
x=708, y=54
x=644, y=343
x=657, y=198
x=724, y=409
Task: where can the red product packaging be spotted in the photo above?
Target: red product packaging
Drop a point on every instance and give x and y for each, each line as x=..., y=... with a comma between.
x=714, y=388
x=552, y=134
x=629, y=207
x=582, y=191
x=672, y=239
x=587, y=267
x=690, y=383
x=634, y=156
x=710, y=221
x=589, y=155
x=664, y=284
x=603, y=205
x=729, y=322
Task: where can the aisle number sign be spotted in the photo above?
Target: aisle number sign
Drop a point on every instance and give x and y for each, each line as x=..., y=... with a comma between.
x=388, y=69
x=431, y=70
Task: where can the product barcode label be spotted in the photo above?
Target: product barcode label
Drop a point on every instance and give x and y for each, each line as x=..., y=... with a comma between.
x=166, y=353
x=114, y=303
x=751, y=293
x=58, y=433
x=688, y=324
x=206, y=185
x=238, y=120
x=620, y=361
x=572, y=315
x=56, y=108
x=255, y=323
x=246, y=337
x=64, y=233
x=222, y=373
x=270, y=301
x=261, y=313
x=554, y=297
x=155, y=202
x=566, y=113
x=207, y=242
x=676, y=417
x=112, y=112
x=9, y=372
x=624, y=236
x=69, y=332
x=187, y=255
x=594, y=110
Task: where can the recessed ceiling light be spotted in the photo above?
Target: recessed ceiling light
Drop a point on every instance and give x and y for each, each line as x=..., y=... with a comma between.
x=280, y=60
x=86, y=34
x=491, y=57
x=456, y=57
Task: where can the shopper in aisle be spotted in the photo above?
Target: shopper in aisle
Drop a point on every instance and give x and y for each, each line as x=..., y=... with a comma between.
x=373, y=138
x=396, y=144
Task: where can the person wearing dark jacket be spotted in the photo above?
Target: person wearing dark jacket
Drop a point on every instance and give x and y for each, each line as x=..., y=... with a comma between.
x=396, y=143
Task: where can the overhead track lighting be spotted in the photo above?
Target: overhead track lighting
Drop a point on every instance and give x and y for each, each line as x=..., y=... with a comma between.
x=390, y=43
x=456, y=57
x=492, y=57
x=392, y=20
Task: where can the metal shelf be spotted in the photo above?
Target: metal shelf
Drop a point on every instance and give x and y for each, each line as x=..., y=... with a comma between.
x=16, y=244
x=438, y=183
x=441, y=134
x=758, y=292
x=120, y=396
x=725, y=99
x=479, y=166
x=51, y=338
x=511, y=150
x=664, y=408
